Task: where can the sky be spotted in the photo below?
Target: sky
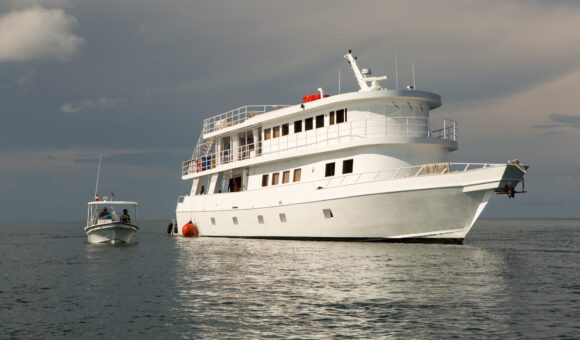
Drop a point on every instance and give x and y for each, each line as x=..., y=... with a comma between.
x=133, y=80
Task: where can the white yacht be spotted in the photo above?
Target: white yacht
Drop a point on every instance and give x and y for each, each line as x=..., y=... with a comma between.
x=368, y=165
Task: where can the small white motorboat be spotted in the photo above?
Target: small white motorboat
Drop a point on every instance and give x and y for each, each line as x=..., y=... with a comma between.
x=106, y=225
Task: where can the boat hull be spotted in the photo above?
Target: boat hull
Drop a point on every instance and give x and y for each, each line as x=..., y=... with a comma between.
x=111, y=233
x=439, y=208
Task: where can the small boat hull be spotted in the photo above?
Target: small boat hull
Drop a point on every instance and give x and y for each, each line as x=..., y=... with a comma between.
x=111, y=233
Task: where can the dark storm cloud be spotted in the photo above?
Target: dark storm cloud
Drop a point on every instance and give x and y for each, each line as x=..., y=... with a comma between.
x=166, y=159
x=148, y=72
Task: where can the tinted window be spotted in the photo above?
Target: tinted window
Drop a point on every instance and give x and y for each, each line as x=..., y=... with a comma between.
x=308, y=124
x=285, y=129
x=329, y=171
x=319, y=121
x=347, y=166
x=297, y=126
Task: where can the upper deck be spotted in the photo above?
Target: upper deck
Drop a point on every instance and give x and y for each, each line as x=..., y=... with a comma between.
x=236, y=116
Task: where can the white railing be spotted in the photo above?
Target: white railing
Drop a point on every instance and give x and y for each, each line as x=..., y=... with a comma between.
x=236, y=116
x=432, y=169
x=413, y=127
x=402, y=172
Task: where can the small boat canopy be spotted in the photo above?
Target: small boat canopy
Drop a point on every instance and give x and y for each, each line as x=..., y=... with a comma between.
x=113, y=203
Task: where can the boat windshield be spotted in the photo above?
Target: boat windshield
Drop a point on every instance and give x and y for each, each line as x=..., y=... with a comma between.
x=100, y=214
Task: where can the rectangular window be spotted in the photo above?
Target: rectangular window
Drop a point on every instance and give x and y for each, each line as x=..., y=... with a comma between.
x=275, y=178
x=297, y=126
x=340, y=116
x=265, y=180
x=235, y=220
x=308, y=124
x=319, y=121
x=297, y=175
x=260, y=219
x=276, y=132
x=285, y=129
x=286, y=176
x=283, y=218
x=212, y=221
x=347, y=166
x=331, y=118
x=267, y=133
x=329, y=171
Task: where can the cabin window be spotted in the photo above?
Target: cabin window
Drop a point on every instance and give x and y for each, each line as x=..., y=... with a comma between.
x=235, y=220
x=286, y=176
x=276, y=132
x=329, y=171
x=265, y=180
x=308, y=124
x=260, y=219
x=331, y=118
x=297, y=175
x=319, y=121
x=327, y=213
x=341, y=116
x=267, y=133
x=297, y=126
x=347, y=166
x=285, y=129
x=212, y=221
x=283, y=217
x=275, y=178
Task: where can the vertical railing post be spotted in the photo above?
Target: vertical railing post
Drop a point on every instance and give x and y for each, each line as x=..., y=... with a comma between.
x=444, y=129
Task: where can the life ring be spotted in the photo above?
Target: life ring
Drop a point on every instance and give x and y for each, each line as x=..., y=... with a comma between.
x=199, y=165
x=190, y=230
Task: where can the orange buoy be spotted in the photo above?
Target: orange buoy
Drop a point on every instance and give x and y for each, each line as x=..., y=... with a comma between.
x=189, y=230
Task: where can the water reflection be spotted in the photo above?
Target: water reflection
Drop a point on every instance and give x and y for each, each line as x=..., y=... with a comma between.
x=338, y=288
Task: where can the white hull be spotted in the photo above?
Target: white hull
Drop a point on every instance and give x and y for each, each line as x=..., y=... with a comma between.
x=436, y=207
x=112, y=233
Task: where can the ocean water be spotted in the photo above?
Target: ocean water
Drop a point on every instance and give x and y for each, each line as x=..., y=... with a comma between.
x=511, y=279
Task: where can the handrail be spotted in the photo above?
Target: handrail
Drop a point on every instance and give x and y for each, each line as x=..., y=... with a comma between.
x=236, y=116
x=421, y=127
x=393, y=174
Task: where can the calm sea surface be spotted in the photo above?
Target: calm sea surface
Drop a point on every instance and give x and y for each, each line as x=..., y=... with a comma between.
x=511, y=279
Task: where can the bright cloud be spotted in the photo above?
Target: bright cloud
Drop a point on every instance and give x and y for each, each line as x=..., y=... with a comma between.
x=97, y=103
x=38, y=33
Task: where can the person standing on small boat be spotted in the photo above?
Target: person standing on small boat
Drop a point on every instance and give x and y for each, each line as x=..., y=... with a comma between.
x=125, y=218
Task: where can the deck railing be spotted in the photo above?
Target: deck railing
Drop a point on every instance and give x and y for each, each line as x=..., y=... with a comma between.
x=412, y=127
x=402, y=172
x=432, y=169
x=236, y=116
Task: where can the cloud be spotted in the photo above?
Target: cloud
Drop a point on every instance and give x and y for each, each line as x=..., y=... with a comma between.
x=96, y=103
x=38, y=33
x=26, y=82
x=559, y=120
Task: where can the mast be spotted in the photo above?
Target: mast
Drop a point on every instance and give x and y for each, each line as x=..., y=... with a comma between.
x=98, y=175
x=363, y=77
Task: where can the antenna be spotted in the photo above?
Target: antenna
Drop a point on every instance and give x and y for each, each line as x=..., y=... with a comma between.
x=98, y=175
x=339, y=80
x=396, y=72
x=413, y=71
